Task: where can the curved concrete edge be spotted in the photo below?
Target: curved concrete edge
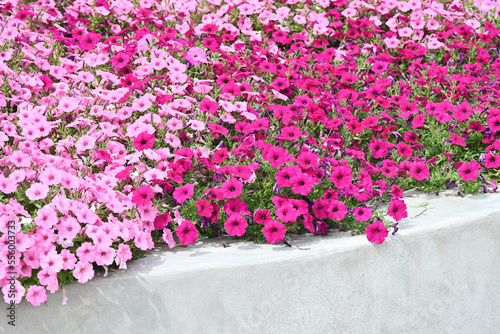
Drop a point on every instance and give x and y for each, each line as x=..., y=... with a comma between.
x=438, y=274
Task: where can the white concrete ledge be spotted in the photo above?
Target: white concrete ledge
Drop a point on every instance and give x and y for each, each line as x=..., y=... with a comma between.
x=439, y=274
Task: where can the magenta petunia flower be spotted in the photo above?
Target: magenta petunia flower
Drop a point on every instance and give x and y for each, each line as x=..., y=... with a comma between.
x=220, y=155
x=287, y=213
x=209, y=106
x=320, y=208
x=420, y=171
x=469, y=170
x=284, y=175
x=187, y=232
x=262, y=216
x=362, y=214
x=236, y=225
x=341, y=176
x=492, y=161
x=144, y=141
x=378, y=148
x=376, y=232
x=89, y=41
x=397, y=209
x=494, y=123
x=307, y=160
x=162, y=220
x=274, y=231
x=120, y=60
x=337, y=210
x=277, y=156
x=234, y=206
x=181, y=194
x=204, y=207
x=142, y=195
x=302, y=184
x=124, y=174
x=231, y=188
x=379, y=66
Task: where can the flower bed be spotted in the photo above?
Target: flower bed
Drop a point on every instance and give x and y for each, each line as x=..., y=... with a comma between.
x=128, y=125
x=437, y=275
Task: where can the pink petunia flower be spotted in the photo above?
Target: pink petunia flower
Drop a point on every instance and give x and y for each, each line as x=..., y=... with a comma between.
x=83, y=272
x=86, y=252
x=274, y=231
x=144, y=141
x=47, y=276
x=302, y=184
x=37, y=191
x=104, y=255
x=123, y=254
x=341, y=176
x=187, y=232
x=337, y=210
x=262, y=216
x=397, y=209
x=236, y=225
x=120, y=60
x=85, y=143
x=181, y=194
x=376, y=232
x=196, y=55
x=469, y=171
x=142, y=195
x=362, y=214
x=36, y=295
x=204, y=207
x=420, y=171
x=231, y=188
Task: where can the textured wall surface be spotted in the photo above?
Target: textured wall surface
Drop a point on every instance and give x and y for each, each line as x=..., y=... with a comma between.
x=439, y=274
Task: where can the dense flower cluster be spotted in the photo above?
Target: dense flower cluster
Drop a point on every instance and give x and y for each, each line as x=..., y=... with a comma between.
x=127, y=123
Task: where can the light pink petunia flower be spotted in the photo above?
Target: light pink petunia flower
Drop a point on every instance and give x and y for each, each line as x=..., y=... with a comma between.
x=37, y=191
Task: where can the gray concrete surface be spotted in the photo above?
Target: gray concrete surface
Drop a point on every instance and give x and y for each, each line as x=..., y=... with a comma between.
x=439, y=274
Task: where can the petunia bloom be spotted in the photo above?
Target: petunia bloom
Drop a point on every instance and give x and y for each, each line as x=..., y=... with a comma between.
x=236, y=225
x=231, y=188
x=37, y=191
x=142, y=195
x=144, y=141
x=274, y=231
x=397, y=209
x=196, y=55
x=187, y=232
x=83, y=272
x=469, y=170
x=36, y=295
x=420, y=171
x=181, y=194
x=376, y=232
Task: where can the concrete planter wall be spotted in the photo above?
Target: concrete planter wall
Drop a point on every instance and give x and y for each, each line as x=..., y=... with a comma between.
x=439, y=274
